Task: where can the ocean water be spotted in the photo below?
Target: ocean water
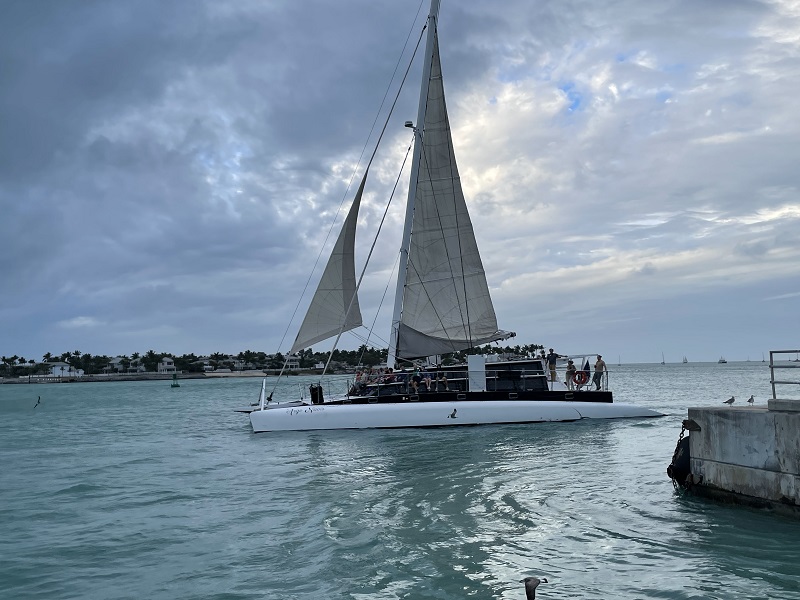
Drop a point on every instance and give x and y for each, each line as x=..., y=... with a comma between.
x=137, y=490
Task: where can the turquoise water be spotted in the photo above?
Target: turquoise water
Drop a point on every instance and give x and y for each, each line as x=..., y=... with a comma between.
x=138, y=490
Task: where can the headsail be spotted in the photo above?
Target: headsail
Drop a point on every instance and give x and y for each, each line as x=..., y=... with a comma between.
x=334, y=307
x=446, y=305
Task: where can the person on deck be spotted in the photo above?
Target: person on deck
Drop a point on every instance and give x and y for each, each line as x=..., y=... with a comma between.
x=599, y=369
x=571, y=370
x=428, y=379
x=442, y=378
x=552, y=357
x=416, y=379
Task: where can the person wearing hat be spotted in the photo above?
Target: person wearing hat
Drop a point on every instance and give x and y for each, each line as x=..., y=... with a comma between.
x=599, y=369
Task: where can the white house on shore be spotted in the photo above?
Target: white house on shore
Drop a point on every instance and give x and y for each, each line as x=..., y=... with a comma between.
x=62, y=369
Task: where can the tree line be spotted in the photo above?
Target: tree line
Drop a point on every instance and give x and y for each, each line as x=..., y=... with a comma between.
x=307, y=358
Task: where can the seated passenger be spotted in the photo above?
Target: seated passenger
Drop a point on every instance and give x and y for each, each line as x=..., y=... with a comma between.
x=416, y=378
x=443, y=379
x=426, y=377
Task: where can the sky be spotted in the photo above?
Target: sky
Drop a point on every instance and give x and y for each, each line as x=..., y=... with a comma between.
x=170, y=170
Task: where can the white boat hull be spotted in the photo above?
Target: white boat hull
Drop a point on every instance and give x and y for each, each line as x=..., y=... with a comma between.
x=436, y=414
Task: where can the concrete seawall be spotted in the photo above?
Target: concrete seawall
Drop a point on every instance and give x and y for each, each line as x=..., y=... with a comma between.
x=748, y=455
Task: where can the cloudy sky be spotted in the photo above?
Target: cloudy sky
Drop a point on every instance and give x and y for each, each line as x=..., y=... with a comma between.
x=169, y=170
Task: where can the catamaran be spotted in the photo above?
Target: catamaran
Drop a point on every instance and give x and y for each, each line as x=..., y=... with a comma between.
x=442, y=306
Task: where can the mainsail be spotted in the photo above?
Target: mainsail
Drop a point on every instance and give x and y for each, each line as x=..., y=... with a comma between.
x=446, y=305
x=334, y=307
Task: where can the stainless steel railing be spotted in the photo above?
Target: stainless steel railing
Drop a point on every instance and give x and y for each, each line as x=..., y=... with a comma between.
x=792, y=364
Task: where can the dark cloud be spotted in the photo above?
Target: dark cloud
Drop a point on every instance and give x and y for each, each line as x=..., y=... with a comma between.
x=169, y=170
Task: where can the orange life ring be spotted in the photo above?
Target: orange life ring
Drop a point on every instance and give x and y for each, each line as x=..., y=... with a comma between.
x=581, y=377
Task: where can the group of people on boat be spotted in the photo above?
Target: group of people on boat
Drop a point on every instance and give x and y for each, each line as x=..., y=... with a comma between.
x=573, y=376
x=379, y=375
x=416, y=380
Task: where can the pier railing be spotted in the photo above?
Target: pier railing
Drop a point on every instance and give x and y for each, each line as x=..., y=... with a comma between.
x=783, y=363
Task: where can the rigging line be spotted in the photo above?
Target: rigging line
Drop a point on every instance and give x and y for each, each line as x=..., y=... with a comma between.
x=375, y=240
x=380, y=304
x=350, y=183
x=369, y=164
x=358, y=163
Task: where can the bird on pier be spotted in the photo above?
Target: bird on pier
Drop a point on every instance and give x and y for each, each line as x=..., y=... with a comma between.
x=730, y=401
x=751, y=399
x=531, y=583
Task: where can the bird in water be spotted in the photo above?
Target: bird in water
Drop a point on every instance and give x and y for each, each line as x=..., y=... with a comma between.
x=730, y=401
x=531, y=583
x=751, y=399
x=38, y=401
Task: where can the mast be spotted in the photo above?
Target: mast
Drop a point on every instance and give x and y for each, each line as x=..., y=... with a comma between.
x=433, y=17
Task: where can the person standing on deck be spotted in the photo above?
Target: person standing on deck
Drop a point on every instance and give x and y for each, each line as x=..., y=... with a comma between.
x=551, y=363
x=599, y=369
x=571, y=370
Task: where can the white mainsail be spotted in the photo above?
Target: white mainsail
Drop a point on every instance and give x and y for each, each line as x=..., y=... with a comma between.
x=446, y=305
x=334, y=307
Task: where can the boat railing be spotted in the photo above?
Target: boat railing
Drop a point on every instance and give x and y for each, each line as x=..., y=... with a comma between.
x=447, y=380
x=779, y=364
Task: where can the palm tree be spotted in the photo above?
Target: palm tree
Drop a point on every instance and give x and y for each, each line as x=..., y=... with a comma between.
x=151, y=359
x=47, y=356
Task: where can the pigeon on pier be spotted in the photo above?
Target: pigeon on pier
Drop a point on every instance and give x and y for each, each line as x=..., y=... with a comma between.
x=531, y=583
x=730, y=401
x=750, y=400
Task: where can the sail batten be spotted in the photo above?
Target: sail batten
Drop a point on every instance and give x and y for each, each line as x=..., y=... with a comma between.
x=334, y=307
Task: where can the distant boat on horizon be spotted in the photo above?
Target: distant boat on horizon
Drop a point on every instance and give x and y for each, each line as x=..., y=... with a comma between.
x=722, y=360
x=662, y=359
x=685, y=360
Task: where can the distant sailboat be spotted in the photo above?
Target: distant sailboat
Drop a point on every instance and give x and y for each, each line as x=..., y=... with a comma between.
x=619, y=360
x=685, y=360
x=662, y=359
x=722, y=360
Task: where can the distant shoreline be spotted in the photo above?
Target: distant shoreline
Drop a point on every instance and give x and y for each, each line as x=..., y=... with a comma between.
x=45, y=379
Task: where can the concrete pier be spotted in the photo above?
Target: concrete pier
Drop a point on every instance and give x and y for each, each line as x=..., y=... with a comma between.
x=748, y=455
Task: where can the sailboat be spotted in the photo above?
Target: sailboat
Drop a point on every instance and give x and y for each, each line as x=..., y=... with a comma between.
x=662, y=359
x=722, y=360
x=442, y=305
x=685, y=360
